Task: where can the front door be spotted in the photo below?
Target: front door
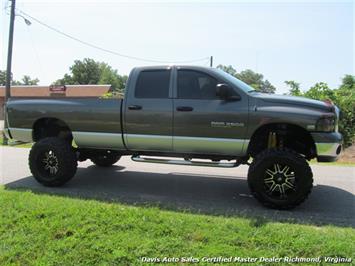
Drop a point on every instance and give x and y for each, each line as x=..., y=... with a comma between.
x=204, y=123
x=148, y=115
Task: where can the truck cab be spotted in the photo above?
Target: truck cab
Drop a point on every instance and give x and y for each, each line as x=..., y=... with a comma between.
x=178, y=110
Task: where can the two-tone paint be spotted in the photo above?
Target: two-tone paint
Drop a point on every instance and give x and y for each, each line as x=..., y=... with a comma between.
x=213, y=127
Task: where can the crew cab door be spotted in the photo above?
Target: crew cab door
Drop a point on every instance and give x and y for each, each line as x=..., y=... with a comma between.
x=148, y=113
x=203, y=122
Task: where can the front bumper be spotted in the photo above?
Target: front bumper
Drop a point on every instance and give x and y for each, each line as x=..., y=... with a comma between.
x=328, y=145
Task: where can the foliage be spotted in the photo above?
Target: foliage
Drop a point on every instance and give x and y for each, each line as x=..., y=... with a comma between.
x=2, y=78
x=320, y=91
x=345, y=100
x=110, y=76
x=256, y=80
x=343, y=97
x=294, y=87
x=26, y=80
x=38, y=229
x=228, y=69
x=113, y=94
x=89, y=71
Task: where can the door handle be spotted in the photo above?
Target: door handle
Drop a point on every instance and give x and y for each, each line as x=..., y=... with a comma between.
x=184, y=108
x=135, y=107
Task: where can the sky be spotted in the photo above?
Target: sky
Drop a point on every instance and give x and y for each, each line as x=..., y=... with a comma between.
x=304, y=41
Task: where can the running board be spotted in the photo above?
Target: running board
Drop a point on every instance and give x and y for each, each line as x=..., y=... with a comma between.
x=140, y=159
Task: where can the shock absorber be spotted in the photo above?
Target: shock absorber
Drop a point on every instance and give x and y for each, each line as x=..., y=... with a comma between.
x=272, y=140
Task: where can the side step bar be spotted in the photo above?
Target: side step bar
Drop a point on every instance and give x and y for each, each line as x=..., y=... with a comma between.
x=139, y=159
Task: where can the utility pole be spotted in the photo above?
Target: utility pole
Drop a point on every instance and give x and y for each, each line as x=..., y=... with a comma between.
x=211, y=61
x=9, y=61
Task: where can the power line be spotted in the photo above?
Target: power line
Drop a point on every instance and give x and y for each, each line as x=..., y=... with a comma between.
x=104, y=49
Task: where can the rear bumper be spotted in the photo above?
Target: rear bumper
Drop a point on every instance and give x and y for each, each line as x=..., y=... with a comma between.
x=20, y=134
x=328, y=145
x=7, y=133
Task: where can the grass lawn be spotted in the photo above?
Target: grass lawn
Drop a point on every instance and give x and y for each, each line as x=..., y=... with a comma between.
x=14, y=144
x=52, y=230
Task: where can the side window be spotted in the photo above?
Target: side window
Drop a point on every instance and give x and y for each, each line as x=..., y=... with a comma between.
x=196, y=85
x=153, y=84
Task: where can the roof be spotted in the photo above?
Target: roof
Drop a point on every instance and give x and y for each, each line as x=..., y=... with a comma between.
x=71, y=90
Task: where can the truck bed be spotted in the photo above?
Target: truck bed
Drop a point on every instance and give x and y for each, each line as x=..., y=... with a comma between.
x=93, y=121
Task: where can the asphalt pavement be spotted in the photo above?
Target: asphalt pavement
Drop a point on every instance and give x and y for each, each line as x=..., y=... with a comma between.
x=206, y=190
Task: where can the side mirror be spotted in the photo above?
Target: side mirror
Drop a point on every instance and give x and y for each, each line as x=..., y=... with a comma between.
x=225, y=92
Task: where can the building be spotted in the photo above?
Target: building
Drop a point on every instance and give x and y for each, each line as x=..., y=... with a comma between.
x=52, y=91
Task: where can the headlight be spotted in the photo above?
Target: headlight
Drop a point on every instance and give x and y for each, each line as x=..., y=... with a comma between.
x=326, y=124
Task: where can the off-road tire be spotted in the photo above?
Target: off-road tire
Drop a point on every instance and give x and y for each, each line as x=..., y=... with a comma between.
x=302, y=172
x=105, y=160
x=66, y=161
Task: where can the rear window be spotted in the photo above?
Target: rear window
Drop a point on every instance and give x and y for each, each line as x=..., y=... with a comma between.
x=153, y=84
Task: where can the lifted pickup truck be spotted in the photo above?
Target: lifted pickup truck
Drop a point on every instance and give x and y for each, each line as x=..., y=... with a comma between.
x=201, y=116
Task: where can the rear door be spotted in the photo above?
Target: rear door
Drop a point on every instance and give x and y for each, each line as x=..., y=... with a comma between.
x=204, y=123
x=148, y=110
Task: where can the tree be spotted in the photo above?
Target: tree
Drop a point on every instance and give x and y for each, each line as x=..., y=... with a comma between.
x=89, y=71
x=26, y=80
x=320, y=91
x=110, y=76
x=294, y=88
x=2, y=78
x=228, y=69
x=345, y=100
x=83, y=72
x=255, y=80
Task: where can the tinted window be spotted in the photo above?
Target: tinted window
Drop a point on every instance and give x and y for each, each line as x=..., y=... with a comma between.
x=153, y=84
x=233, y=80
x=196, y=85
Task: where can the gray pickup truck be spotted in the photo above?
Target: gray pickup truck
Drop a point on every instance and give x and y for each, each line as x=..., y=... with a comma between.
x=199, y=116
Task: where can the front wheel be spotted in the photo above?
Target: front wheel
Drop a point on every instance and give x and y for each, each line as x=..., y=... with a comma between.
x=280, y=178
x=52, y=161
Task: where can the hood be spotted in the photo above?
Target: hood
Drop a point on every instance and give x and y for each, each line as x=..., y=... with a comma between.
x=294, y=100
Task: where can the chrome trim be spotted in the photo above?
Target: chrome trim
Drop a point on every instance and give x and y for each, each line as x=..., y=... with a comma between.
x=21, y=134
x=210, y=145
x=327, y=149
x=98, y=140
x=149, y=142
x=196, y=145
x=140, y=159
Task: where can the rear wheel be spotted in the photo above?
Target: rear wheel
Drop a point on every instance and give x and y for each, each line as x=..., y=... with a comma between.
x=105, y=159
x=280, y=178
x=52, y=161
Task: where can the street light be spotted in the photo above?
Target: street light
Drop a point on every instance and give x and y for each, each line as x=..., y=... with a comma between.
x=8, y=66
x=28, y=23
x=9, y=62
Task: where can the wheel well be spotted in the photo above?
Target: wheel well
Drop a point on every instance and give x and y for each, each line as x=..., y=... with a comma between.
x=51, y=127
x=282, y=135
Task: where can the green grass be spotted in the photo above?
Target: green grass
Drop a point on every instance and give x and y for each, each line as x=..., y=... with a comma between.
x=14, y=144
x=37, y=229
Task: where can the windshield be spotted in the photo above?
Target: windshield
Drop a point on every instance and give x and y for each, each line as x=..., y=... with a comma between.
x=238, y=83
